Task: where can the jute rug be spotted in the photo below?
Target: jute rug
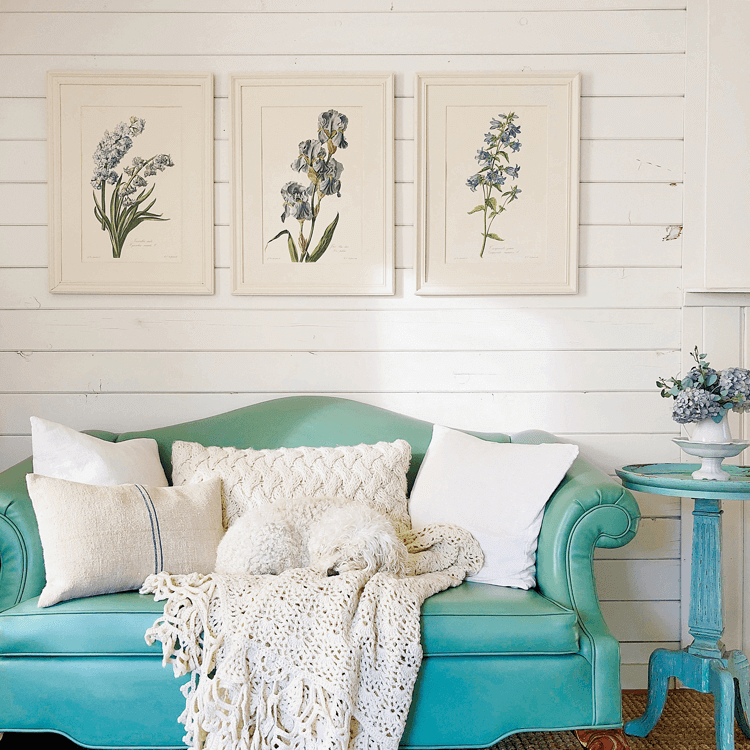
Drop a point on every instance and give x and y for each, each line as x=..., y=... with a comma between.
x=686, y=724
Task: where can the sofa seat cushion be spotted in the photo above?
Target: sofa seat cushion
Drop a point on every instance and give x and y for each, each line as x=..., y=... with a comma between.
x=478, y=618
x=111, y=624
x=473, y=618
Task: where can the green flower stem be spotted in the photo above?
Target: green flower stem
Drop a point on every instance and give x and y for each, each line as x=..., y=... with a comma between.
x=120, y=223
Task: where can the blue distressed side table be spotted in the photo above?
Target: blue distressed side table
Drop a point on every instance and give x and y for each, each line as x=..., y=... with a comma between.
x=704, y=665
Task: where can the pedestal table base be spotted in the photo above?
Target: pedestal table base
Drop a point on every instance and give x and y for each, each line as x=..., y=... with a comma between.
x=727, y=677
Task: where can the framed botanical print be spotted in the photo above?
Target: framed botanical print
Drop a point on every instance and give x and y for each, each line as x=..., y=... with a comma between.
x=130, y=182
x=497, y=174
x=312, y=184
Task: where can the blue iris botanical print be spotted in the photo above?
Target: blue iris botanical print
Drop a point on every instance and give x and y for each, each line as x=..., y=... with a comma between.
x=494, y=171
x=122, y=211
x=323, y=172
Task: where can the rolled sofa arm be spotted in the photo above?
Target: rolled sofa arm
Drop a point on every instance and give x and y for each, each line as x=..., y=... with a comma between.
x=21, y=558
x=589, y=509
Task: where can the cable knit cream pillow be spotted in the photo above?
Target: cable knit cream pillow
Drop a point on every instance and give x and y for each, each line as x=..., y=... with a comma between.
x=103, y=539
x=374, y=474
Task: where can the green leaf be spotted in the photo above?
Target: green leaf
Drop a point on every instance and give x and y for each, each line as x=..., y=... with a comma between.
x=474, y=210
x=325, y=241
x=503, y=154
x=492, y=203
x=493, y=236
x=290, y=244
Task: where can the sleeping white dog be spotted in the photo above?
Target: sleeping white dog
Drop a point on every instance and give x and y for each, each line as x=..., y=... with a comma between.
x=327, y=534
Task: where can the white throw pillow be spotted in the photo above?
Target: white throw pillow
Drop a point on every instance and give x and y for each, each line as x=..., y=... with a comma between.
x=497, y=491
x=374, y=474
x=64, y=453
x=99, y=540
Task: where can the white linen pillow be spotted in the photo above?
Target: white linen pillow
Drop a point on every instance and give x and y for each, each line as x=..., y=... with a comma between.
x=99, y=540
x=374, y=474
x=63, y=453
x=497, y=491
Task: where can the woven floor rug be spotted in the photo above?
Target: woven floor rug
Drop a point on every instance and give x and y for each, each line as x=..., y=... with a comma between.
x=686, y=724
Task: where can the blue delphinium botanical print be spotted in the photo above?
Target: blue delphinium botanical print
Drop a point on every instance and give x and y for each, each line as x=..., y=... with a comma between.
x=316, y=161
x=122, y=213
x=494, y=170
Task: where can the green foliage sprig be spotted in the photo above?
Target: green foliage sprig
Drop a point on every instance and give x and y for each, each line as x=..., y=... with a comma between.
x=705, y=393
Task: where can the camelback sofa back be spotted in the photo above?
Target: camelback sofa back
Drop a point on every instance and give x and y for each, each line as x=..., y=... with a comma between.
x=496, y=660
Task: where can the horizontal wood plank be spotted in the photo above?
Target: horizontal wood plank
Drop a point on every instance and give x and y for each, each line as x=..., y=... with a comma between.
x=657, y=539
x=625, y=203
x=274, y=34
x=610, y=452
x=24, y=119
x=634, y=676
x=13, y=448
x=327, y=6
x=619, y=117
x=600, y=246
x=630, y=161
x=28, y=288
x=341, y=330
x=602, y=117
x=23, y=247
x=637, y=117
x=23, y=161
x=278, y=372
x=601, y=161
x=601, y=203
x=656, y=506
x=23, y=204
x=637, y=580
x=609, y=74
x=639, y=653
x=625, y=246
x=643, y=621
x=484, y=412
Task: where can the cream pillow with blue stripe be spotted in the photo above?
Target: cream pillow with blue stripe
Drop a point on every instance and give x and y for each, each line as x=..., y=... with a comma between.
x=104, y=539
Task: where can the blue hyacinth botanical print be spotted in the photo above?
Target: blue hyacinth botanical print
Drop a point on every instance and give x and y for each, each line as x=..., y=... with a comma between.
x=494, y=171
x=316, y=162
x=121, y=212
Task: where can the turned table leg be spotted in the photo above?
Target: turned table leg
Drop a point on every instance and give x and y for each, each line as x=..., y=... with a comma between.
x=703, y=665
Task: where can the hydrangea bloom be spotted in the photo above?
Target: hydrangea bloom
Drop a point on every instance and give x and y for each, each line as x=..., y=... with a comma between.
x=705, y=393
x=735, y=382
x=693, y=405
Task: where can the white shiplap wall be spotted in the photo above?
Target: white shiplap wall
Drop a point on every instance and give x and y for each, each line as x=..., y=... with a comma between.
x=582, y=366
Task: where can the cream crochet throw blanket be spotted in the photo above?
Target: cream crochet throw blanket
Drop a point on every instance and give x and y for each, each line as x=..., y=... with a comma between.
x=303, y=661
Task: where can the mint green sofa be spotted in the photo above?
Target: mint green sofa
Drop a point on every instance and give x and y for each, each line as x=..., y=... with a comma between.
x=497, y=660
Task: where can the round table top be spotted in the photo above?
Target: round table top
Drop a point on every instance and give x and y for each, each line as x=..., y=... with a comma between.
x=676, y=480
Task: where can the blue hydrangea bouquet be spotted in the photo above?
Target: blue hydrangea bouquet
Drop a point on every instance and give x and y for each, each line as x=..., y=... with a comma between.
x=705, y=393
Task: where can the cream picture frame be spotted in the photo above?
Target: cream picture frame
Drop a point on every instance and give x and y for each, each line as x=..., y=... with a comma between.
x=469, y=193
x=130, y=182
x=312, y=184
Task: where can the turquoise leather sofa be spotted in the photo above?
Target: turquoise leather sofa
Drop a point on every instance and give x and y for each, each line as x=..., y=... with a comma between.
x=497, y=660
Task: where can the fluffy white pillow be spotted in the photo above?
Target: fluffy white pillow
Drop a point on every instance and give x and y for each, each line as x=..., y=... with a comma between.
x=99, y=540
x=64, y=453
x=374, y=474
x=497, y=491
